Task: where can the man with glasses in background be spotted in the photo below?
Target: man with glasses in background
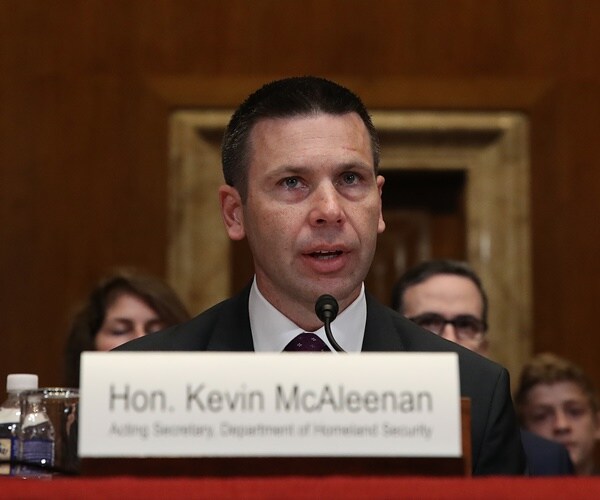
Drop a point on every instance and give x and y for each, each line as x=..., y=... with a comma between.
x=447, y=298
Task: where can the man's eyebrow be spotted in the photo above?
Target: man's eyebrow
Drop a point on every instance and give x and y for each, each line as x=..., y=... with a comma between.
x=538, y=407
x=353, y=165
x=574, y=401
x=289, y=170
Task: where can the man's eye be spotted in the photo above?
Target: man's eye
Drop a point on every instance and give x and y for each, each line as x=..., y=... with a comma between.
x=539, y=417
x=291, y=182
x=350, y=178
x=466, y=324
x=576, y=411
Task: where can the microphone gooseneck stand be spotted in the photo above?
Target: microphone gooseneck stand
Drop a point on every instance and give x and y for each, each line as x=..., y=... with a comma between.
x=327, y=308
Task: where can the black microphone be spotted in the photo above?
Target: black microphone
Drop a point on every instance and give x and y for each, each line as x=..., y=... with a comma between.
x=327, y=308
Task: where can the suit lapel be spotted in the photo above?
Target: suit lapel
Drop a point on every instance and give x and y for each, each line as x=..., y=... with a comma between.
x=380, y=332
x=232, y=330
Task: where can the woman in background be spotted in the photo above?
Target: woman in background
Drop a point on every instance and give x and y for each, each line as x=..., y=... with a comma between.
x=556, y=400
x=122, y=307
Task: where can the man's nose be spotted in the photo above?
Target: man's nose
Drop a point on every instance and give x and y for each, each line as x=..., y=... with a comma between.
x=327, y=207
x=562, y=423
x=449, y=332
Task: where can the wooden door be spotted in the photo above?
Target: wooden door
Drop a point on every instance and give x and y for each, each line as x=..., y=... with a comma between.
x=424, y=212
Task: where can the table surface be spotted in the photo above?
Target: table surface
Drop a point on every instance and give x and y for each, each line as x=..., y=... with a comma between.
x=300, y=487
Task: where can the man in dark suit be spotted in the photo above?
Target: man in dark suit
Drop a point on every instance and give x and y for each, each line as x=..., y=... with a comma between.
x=447, y=297
x=300, y=159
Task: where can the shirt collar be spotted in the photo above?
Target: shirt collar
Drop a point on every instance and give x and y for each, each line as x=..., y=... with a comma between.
x=272, y=331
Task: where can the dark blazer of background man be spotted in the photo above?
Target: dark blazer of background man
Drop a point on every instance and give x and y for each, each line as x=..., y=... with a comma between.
x=448, y=298
x=300, y=159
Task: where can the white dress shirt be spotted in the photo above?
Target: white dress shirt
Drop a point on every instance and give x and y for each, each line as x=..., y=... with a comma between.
x=272, y=331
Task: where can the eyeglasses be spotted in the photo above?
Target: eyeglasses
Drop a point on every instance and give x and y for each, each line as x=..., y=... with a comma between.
x=467, y=327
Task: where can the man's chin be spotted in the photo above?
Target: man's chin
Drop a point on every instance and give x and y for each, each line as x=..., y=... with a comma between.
x=343, y=294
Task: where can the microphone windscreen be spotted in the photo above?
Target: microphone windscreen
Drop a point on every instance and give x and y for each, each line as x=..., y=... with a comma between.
x=326, y=307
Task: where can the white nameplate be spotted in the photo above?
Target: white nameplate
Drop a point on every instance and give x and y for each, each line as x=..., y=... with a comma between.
x=176, y=404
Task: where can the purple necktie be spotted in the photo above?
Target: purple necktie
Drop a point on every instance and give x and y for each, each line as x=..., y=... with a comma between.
x=307, y=342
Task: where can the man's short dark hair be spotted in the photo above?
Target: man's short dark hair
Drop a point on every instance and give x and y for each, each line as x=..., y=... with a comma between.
x=426, y=270
x=547, y=368
x=289, y=97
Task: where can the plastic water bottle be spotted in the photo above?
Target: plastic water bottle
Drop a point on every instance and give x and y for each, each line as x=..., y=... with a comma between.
x=10, y=416
x=36, y=437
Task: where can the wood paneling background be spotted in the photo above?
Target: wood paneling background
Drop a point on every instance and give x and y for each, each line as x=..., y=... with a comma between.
x=86, y=88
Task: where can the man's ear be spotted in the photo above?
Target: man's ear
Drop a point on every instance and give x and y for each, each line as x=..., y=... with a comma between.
x=231, y=211
x=381, y=222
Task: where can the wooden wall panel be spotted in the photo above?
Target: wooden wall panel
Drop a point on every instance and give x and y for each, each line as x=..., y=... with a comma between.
x=83, y=129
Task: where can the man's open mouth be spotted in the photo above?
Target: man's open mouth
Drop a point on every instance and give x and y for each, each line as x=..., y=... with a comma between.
x=324, y=255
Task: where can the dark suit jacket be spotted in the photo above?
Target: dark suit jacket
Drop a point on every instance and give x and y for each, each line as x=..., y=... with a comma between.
x=545, y=457
x=495, y=435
